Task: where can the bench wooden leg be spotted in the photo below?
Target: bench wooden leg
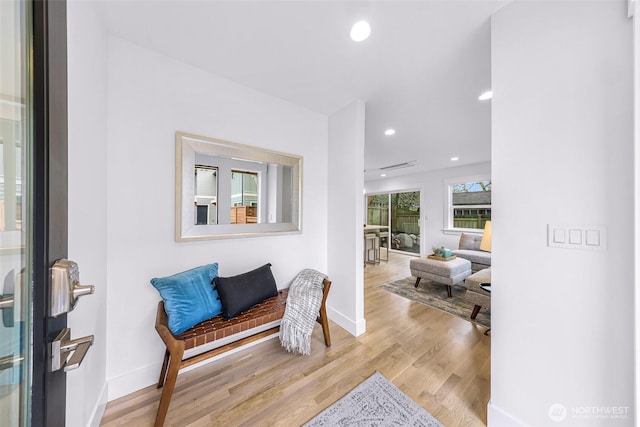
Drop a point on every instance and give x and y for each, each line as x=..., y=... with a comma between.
x=163, y=371
x=324, y=322
x=322, y=318
x=449, y=291
x=417, y=282
x=476, y=310
x=175, y=360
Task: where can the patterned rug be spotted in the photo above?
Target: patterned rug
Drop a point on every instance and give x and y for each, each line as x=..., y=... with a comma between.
x=375, y=402
x=435, y=295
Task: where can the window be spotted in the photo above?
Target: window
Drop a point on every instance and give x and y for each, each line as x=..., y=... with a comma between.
x=468, y=203
x=206, y=195
x=244, y=188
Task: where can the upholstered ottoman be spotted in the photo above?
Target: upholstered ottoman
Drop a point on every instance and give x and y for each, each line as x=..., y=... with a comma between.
x=475, y=294
x=447, y=273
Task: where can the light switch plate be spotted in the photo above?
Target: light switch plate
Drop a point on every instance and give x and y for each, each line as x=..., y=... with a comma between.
x=575, y=236
x=592, y=237
x=571, y=236
x=559, y=236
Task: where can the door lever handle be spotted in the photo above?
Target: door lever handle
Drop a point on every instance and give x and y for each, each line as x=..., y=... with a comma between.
x=80, y=352
x=6, y=301
x=63, y=345
x=11, y=361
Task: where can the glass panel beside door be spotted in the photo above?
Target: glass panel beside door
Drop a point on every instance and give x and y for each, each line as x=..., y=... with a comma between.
x=15, y=297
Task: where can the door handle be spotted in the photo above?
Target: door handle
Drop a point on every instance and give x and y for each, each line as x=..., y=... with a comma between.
x=8, y=362
x=10, y=299
x=6, y=301
x=63, y=345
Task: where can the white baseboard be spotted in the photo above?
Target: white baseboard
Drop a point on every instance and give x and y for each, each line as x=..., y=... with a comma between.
x=133, y=381
x=101, y=405
x=496, y=417
x=354, y=327
x=136, y=380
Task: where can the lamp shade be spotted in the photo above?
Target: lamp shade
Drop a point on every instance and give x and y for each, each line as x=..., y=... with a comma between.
x=485, y=244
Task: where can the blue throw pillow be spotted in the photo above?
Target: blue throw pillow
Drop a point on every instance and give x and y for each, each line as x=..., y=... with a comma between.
x=189, y=297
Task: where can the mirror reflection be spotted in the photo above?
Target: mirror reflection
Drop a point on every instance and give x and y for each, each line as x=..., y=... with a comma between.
x=206, y=195
x=234, y=190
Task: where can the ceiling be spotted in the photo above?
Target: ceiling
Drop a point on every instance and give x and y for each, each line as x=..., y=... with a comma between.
x=420, y=72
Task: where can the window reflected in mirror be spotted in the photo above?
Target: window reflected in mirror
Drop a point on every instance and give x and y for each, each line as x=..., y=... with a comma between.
x=11, y=173
x=206, y=195
x=244, y=197
x=236, y=191
x=244, y=188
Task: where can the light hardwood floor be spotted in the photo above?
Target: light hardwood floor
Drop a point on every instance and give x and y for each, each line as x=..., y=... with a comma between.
x=439, y=360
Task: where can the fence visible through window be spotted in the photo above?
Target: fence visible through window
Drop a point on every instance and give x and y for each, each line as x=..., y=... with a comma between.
x=401, y=212
x=470, y=204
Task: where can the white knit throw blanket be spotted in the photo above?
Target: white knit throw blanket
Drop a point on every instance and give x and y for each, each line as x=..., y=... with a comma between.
x=301, y=311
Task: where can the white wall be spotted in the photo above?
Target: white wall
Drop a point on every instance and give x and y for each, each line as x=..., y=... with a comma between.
x=562, y=319
x=87, y=97
x=432, y=200
x=344, y=215
x=150, y=98
x=634, y=10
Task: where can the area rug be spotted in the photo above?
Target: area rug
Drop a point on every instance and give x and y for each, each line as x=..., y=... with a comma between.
x=375, y=402
x=435, y=295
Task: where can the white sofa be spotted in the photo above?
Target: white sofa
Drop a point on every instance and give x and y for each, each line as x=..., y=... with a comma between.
x=469, y=249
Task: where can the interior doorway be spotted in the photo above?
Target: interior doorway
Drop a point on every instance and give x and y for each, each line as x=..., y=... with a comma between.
x=400, y=211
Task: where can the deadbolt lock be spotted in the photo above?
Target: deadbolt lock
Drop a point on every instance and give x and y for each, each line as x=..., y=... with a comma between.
x=65, y=287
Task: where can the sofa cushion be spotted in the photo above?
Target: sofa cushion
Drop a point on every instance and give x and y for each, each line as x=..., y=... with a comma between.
x=470, y=241
x=189, y=297
x=475, y=293
x=241, y=292
x=476, y=257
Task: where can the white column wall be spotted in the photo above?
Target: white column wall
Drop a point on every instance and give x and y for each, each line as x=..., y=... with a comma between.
x=87, y=97
x=562, y=153
x=151, y=97
x=344, y=216
x=634, y=10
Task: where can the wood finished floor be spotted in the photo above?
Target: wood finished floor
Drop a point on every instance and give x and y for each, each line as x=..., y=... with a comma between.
x=439, y=360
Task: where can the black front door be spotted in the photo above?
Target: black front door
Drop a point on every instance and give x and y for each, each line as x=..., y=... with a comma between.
x=33, y=207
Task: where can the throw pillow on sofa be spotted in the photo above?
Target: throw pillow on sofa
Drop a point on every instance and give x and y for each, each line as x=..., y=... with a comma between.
x=241, y=292
x=469, y=241
x=189, y=297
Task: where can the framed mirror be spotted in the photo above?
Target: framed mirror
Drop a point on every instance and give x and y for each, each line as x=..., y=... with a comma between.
x=226, y=190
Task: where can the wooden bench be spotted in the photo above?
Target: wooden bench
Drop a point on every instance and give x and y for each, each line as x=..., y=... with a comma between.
x=216, y=336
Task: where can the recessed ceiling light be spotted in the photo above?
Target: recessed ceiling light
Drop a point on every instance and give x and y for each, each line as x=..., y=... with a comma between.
x=360, y=31
x=390, y=132
x=455, y=159
x=486, y=95
x=383, y=174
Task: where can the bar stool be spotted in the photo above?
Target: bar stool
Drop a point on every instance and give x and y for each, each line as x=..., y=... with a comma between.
x=371, y=247
x=383, y=235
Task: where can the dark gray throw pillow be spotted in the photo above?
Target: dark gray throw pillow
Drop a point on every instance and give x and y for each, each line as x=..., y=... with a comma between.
x=241, y=292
